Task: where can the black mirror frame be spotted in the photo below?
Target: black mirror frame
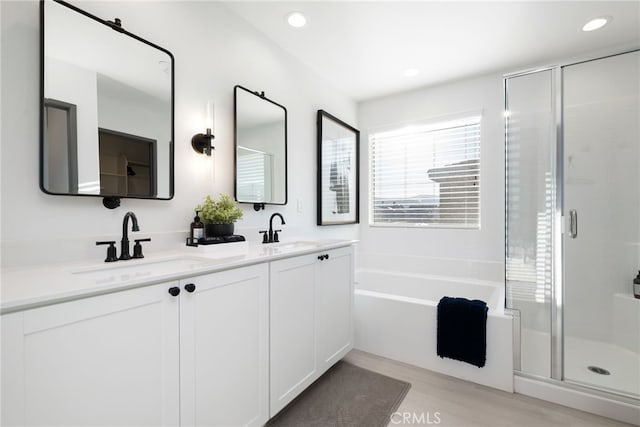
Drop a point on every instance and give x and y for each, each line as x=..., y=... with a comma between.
x=320, y=118
x=257, y=206
x=110, y=202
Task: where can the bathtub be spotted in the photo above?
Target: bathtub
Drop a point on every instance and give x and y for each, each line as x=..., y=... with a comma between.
x=395, y=317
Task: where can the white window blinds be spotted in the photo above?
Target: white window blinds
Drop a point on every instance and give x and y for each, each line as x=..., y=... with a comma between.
x=427, y=175
x=255, y=168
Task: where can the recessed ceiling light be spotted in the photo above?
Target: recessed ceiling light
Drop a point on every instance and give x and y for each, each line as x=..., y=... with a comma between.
x=296, y=19
x=596, y=23
x=411, y=72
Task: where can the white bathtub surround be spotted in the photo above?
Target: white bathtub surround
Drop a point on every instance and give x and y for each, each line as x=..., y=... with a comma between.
x=416, y=263
x=396, y=317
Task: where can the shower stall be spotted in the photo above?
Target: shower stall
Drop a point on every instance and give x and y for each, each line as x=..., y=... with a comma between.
x=573, y=223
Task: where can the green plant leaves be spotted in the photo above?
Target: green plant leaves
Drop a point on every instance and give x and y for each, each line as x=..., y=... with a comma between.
x=223, y=211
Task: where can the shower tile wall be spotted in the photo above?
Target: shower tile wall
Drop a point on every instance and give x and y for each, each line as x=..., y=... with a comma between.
x=602, y=182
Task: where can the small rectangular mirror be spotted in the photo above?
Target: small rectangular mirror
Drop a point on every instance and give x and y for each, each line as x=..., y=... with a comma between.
x=107, y=108
x=261, y=149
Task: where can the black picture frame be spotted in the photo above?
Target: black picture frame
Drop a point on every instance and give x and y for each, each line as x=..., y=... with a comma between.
x=338, y=171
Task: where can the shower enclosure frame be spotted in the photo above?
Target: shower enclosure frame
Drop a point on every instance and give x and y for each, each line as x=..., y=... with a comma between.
x=556, y=377
x=557, y=350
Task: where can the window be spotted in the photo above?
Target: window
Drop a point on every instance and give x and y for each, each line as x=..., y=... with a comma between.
x=255, y=168
x=427, y=175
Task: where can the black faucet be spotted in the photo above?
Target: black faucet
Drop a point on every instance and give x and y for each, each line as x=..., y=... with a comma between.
x=273, y=236
x=124, y=243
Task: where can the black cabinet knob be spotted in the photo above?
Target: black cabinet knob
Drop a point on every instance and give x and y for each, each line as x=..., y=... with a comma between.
x=174, y=291
x=189, y=287
x=326, y=256
x=320, y=257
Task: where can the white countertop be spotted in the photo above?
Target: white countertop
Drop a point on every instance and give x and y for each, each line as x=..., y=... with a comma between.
x=29, y=287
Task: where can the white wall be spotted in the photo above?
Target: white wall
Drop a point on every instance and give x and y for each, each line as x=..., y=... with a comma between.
x=444, y=251
x=214, y=50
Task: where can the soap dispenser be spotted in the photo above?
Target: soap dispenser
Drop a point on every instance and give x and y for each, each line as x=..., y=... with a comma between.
x=636, y=286
x=197, y=228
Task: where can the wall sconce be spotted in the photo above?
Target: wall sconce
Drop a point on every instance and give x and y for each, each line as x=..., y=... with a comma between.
x=201, y=142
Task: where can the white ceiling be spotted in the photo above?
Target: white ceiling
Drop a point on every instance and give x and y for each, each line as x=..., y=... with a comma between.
x=363, y=48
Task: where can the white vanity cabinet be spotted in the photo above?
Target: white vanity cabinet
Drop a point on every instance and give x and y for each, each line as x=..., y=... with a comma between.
x=334, y=303
x=227, y=348
x=224, y=348
x=197, y=356
x=106, y=360
x=311, y=298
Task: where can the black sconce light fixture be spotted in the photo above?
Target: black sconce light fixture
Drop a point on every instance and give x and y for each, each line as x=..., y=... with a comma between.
x=201, y=142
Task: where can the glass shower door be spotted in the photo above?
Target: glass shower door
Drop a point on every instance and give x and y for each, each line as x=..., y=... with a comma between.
x=601, y=143
x=530, y=181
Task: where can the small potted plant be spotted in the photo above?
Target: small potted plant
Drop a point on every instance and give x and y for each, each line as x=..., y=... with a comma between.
x=219, y=216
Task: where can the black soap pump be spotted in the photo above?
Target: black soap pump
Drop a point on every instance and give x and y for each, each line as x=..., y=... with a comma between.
x=636, y=286
x=197, y=228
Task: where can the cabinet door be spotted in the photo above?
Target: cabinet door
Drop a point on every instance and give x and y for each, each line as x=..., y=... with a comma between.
x=293, y=351
x=334, y=307
x=224, y=345
x=106, y=360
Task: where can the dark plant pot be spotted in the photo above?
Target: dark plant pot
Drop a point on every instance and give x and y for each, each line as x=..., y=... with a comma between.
x=218, y=230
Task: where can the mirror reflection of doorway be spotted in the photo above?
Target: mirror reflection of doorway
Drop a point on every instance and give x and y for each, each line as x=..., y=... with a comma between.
x=60, y=159
x=127, y=164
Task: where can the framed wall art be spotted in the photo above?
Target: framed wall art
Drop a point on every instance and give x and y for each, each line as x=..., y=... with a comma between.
x=338, y=171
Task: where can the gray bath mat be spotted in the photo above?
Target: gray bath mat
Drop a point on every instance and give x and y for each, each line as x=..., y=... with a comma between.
x=346, y=395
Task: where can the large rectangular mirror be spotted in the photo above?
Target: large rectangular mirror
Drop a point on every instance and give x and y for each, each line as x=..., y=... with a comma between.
x=107, y=108
x=261, y=149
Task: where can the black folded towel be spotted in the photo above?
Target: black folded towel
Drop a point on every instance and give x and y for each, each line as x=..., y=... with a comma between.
x=462, y=330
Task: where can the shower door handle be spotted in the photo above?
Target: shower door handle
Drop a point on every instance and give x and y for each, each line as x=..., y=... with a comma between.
x=573, y=223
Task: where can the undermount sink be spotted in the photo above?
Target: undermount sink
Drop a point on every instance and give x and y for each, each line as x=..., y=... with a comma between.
x=298, y=244
x=133, y=269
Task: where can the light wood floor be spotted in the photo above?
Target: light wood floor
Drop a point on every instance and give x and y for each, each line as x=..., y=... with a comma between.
x=462, y=403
